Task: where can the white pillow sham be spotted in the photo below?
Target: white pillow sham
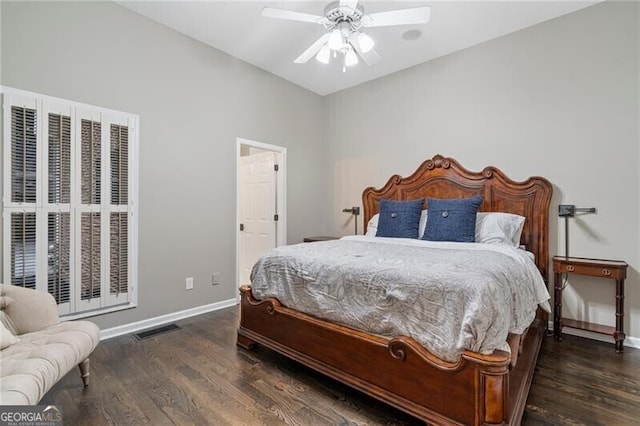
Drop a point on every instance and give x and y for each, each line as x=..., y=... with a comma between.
x=372, y=226
x=499, y=228
x=491, y=227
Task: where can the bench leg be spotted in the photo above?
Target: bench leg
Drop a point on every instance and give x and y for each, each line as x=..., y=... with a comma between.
x=84, y=372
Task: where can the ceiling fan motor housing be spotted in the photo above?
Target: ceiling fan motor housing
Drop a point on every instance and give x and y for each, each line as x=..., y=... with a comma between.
x=343, y=18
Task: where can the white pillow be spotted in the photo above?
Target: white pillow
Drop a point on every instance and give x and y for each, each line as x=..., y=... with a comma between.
x=372, y=227
x=499, y=228
x=6, y=338
x=423, y=223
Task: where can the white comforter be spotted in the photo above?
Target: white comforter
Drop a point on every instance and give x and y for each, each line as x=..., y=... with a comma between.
x=447, y=296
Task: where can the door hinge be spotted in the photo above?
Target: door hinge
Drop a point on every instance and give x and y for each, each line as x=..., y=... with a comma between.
x=276, y=167
x=275, y=217
x=242, y=226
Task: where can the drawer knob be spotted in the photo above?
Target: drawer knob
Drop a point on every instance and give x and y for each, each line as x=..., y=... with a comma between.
x=571, y=268
x=606, y=272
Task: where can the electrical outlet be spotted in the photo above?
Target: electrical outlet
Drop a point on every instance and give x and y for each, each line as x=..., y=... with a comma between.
x=189, y=283
x=215, y=278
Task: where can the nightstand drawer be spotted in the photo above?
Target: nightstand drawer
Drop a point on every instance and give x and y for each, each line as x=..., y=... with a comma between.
x=589, y=267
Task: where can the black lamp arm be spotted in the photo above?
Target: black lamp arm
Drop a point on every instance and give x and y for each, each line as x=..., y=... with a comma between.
x=570, y=210
x=355, y=210
x=567, y=211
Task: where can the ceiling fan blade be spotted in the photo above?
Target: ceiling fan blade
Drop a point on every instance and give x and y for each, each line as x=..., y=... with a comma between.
x=291, y=15
x=350, y=4
x=370, y=58
x=416, y=15
x=313, y=49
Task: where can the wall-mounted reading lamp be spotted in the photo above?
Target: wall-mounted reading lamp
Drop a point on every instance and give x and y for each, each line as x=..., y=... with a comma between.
x=355, y=211
x=567, y=211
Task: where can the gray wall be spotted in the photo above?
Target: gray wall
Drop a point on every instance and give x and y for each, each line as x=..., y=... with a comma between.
x=559, y=99
x=193, y=101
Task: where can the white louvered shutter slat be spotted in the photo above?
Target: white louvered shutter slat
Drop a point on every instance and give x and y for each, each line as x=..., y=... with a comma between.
x=24, y=154
x=23, y=249
x=119, y=137
x=59, y=159
x=59, y=256
x=119, y=257
x=91, y=160
x=90, y=255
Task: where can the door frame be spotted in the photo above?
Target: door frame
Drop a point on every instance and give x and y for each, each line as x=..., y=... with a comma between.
x=281, y=198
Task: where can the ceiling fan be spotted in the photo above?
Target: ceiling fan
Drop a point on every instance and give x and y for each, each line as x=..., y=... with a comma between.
x=344, y=21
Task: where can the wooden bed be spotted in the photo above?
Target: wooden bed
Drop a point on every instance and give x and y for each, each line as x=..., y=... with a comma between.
x=478, y=389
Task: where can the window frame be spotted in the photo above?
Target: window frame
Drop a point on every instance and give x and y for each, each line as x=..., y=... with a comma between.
x=45, y=105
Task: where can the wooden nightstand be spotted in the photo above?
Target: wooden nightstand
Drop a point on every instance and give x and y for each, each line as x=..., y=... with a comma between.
x=614, y=269
x=316, y=239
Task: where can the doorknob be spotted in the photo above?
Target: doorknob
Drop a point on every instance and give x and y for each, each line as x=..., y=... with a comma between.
x=242, y=226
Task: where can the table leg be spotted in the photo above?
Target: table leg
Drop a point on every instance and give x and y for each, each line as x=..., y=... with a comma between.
x=619, y=333
x=557, y=306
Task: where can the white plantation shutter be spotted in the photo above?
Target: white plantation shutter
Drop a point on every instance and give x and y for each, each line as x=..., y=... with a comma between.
x=59, y=158
x=59, y=257
x=119, y=164
x=90, y=256
x=70, y=186
x=91, y=162
x=120, y=226
x=23, y=249
x=119, y=256
x=23, y=154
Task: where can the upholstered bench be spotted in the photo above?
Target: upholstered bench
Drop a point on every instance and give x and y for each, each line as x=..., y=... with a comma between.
x=36, y=349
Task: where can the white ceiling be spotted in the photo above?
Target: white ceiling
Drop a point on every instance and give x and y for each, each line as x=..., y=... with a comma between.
x=237, y=28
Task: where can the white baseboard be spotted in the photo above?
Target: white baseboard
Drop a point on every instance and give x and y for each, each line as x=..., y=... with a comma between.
x=631, y=342
x=163, y=319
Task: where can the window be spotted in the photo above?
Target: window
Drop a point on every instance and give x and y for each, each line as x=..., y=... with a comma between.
x=69, y=198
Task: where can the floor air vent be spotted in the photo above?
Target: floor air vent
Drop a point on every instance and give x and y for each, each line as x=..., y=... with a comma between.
x=155, y=331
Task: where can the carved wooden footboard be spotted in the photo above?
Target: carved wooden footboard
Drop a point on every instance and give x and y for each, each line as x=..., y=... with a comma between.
x=479, y=389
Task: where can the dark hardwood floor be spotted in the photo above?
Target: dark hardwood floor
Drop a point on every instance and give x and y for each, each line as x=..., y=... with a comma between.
x=197, y=375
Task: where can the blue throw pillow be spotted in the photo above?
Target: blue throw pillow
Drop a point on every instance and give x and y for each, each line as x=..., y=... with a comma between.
x=399, y=219
x=452, y=220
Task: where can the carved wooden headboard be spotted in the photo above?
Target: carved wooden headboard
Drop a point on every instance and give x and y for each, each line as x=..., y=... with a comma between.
x=442, y=177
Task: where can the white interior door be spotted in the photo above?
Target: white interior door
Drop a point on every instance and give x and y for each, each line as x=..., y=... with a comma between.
x=257, y=199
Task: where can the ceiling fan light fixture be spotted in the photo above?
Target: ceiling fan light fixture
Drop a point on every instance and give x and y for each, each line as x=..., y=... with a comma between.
x=350, y=58
x=366, y=42
x=324, y=54
x=335, y=40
